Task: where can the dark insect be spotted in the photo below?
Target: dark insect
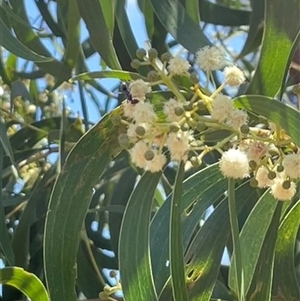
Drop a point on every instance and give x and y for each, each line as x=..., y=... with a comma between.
x=127, y=94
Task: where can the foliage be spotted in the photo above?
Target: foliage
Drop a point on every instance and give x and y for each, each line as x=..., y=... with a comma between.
x=78, y=218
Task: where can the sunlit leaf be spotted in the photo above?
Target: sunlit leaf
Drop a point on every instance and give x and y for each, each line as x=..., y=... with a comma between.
x=198, y=192
x=275, y=111
x=175, y=240
x=285, y=279
x=279, y=36
x=134, y=251
x=26, y=282
x=122, y=75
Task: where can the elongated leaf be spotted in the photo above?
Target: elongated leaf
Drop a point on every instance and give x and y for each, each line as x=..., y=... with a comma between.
x=12, y=44
x=261, y=214
x=122, y=75
x=256, y=28
x=177, y=22
x=285, y=277
x=72, y=41
x=26, y=282
x=218, y=14
x=147, y=10
x=125, y=39
x=175, y=246
x=70, y=197
x=264, y=267
x=276, y=111
x=198, y=192
x=205, y=252
x=29, y=38
x=134, y=251
x=94, y=18
x=279, y=36
x=126, y=185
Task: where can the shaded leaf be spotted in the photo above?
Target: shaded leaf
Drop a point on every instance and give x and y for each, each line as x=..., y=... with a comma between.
x=10, y=43
x=256, y=24
x=71, y=196
x=286, y=282
x=177, y=22
x=218, y=14
x=175, y=240
x=94, y=18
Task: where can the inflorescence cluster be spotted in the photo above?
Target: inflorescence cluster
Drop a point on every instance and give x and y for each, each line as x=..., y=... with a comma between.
x=170, y=130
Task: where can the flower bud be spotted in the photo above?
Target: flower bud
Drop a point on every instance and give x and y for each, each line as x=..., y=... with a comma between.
x=280, y=168
x=272, y=175
x=200, y=126
x=123, y=141
x=252, y=164
x=135, y=64
x=165, y=57
x=140, y=130
x=286, y=184
x=185, y=127
x=152, y=53
x=245, y=129
x=253, y=183
x=179, y=111
x=174, y=127
x=149, y=155
x=141, y=53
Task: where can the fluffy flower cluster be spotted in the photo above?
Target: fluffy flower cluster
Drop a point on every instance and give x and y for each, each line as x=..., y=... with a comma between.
x=235, y=163
x=224, y=112
x=178, y=66
x=151, y=138
x=179, y=128
x=210, y=58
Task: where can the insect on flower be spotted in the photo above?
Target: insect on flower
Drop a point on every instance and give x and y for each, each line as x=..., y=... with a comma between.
x=127, y=94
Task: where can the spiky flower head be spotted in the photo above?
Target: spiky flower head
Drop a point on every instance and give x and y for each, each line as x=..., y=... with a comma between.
x=138, y=89
x=221, y=107
x=178, y=66
x=170, y=110
x=178, y=145
x=234, y=164
x=143, y=112
x=234, y=76
x=263, y=178
x=291, y=164
x=280, y=193
x=210, y=58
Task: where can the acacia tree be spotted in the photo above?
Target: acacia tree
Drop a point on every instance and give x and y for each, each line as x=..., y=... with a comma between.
x=199, y=158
